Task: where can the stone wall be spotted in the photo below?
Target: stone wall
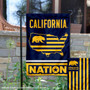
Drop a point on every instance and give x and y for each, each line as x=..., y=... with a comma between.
x=14, y=53
x=80, y=47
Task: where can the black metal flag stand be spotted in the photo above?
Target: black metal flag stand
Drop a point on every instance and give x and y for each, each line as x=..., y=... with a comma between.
x=21, y=73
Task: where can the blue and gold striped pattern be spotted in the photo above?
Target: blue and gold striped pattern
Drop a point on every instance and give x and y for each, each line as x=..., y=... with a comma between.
x=47, y=44
x=79, y=79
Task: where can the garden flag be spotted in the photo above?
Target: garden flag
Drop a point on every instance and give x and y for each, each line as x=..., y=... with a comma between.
x=48, y=38
x=78, y=74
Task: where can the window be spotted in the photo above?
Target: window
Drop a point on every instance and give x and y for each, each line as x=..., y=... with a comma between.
x=76, y=9
x=35, y=6
x=88, y=17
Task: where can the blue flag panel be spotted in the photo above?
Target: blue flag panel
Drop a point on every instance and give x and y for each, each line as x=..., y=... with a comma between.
x=78, y=74
x=48, y=36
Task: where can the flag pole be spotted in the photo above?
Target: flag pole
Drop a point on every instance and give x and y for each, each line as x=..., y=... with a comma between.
x=21, y=73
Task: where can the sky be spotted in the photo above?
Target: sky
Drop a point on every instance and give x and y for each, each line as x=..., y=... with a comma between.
x=11, y=10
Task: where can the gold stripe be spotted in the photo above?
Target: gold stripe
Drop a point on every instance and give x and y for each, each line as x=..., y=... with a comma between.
x=46, y=74
x=55, y=42
x=47, y=46
x=63, y=38
x=50, y=35
x=46, y=63
x=87, y=75
x=52, y=38
x=80, y=79
x=56, y=39
x=69, y=80
x=47, y=49
x=83, y=73
x=73, y=79
x=76, y=80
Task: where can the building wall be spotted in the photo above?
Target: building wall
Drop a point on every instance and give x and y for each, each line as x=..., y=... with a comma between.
x=14, y=53
x=80, y=47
